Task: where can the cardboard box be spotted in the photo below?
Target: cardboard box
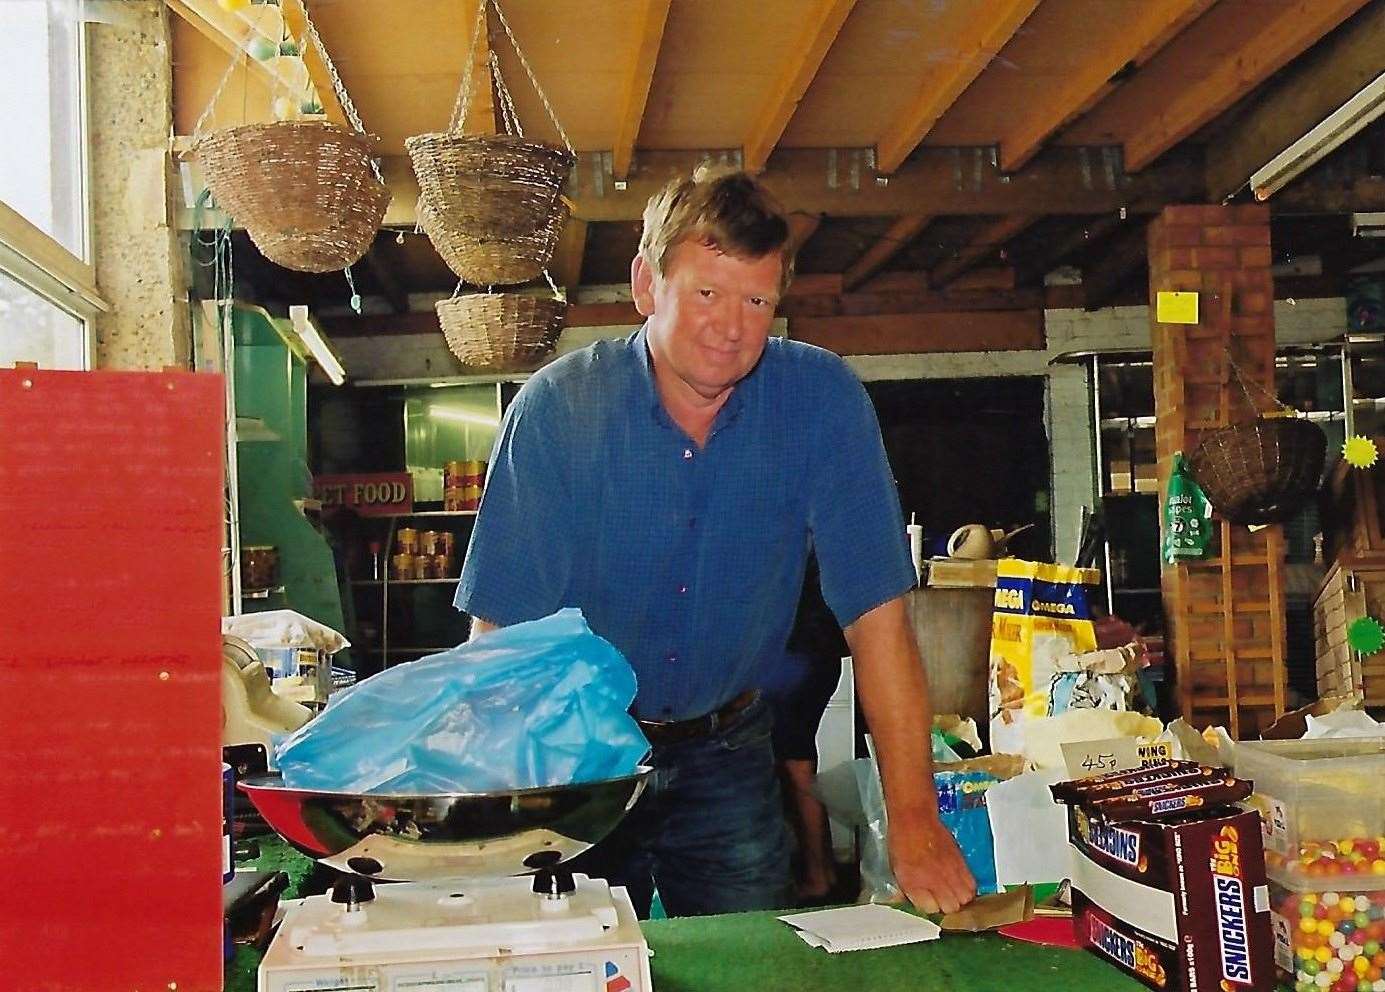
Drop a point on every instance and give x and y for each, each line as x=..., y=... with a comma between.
x=1176, y=905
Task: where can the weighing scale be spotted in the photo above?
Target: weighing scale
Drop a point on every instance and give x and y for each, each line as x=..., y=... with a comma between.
x=430, y=901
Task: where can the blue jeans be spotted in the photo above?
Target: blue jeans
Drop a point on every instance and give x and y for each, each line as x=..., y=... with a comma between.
x=709, y=830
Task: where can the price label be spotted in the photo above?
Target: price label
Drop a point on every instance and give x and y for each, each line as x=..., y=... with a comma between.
x=1087, y=758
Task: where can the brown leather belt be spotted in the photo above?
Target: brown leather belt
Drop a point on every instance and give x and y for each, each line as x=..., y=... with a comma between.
x=662, y=732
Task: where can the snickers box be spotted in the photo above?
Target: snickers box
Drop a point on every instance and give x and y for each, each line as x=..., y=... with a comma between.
x=1177, y=903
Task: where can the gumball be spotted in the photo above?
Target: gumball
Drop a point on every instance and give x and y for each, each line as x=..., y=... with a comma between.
x=1322, y=980
x=1336, y=939
x=1330, y=898
x=1326, y=928
x=1347, y=905
x=1323, y=954
x=1308, y=925
x=1346, y=928
x=1373, y=973
x=1360, y=966
x=1378, y=866
x=1372, y=947
x=1378, y=985
x=1311, y=966
x=1359, y=938
x=1335, y=965
x=1361, y=919
x=1348, y=951
x=1378, y=959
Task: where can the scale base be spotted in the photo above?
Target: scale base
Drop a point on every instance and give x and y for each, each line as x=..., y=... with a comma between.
x=475, y=936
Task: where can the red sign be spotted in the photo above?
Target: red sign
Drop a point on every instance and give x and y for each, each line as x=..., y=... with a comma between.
x=374, y=494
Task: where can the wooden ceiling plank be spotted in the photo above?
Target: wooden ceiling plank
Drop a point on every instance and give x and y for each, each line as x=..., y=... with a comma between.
x=1290, y=31
x=566, y=267
x=889, y=244
x=985, y=243
x=915, y=333
x=945, y=81
x=1090, y=231
x=820, y=30
x=1328, y=76
x=1158, y=23
x=480, y=116
x=802, y=226
x=653, y=16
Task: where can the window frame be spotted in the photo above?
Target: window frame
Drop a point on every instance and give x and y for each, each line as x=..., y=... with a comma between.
x=36, y=259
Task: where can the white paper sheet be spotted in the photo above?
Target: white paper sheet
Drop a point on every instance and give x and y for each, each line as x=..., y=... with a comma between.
x=860, y=928
x=1029, y=828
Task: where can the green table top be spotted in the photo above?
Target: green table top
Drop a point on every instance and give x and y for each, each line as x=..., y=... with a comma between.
x=755, y=951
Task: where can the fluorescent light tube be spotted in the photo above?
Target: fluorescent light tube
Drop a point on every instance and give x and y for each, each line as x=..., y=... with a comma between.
x=1340, y=125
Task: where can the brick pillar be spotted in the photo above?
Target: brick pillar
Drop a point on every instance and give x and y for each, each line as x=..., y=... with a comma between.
x=1226, y=612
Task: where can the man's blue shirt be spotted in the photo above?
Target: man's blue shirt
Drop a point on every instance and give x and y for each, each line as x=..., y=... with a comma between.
x=689, y=560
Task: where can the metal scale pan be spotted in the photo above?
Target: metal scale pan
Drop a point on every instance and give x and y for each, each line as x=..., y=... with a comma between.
x=430, y=838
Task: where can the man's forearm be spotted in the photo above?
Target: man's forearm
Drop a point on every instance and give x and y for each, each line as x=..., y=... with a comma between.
x=894, y=697
x=479, y=627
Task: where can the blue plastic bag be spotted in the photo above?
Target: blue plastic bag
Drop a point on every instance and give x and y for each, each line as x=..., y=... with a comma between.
x=962, y=808
x=535, y=704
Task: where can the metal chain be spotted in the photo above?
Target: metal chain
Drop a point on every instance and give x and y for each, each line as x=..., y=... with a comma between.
x=1250, y=401
x=216, y=94
x=338, y=86
x=530, y=72
x=507, y=103
x=463, y=104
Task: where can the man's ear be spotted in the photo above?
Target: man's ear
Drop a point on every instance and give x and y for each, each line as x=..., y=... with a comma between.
x=642, y=285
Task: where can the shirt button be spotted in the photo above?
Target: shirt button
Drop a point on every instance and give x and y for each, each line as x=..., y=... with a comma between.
x=682, y=589
x=672, y=658
x=687, y=453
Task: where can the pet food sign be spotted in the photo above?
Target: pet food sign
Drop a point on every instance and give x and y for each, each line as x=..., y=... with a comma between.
x=376, y=494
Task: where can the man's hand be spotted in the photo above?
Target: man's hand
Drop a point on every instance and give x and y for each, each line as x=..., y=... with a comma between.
x=927, y=864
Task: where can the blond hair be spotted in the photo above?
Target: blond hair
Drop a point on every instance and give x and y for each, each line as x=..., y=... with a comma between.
x=726, y=209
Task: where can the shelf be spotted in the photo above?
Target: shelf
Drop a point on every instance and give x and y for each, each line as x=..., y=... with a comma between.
x=260, y=593
x=431, y=513
x=404, y=582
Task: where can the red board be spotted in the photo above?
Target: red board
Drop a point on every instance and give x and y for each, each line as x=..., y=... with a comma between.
x=110, y=716
x=374, y=494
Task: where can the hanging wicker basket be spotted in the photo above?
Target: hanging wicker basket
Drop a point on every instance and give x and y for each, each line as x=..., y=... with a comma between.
x=495, y=260
x=304, y=190
x=1262, y=471
x=487, y=186
x=501, y=331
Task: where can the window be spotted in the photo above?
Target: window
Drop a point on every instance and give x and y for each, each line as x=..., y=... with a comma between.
x=35, y=329
x=41, y=154
x=47, y=285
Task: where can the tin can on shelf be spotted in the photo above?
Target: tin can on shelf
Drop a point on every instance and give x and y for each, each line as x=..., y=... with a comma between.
x=406, y=541
x=471, y=497
x=452, y=498
x=448, y=545
x=430, y=542
x=452, y=474
x=402, y=566
x=421, y=567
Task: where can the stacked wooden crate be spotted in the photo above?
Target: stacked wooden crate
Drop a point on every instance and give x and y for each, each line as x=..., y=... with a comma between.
x=1353, y=588
x=1225, y=612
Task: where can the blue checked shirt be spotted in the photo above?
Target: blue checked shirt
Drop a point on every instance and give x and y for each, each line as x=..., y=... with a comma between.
x=688, y=560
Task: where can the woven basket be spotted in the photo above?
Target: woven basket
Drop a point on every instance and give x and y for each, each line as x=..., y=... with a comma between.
x=303, y=189
x=501, y=331
x=1262, y=471
x=487, y=186
x=496, y=260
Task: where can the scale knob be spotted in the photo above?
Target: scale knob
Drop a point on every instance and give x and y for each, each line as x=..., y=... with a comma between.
x=554, y=883
x=353, y=891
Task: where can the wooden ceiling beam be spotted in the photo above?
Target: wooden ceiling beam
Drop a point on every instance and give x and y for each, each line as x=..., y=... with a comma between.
x=387, y=279
x=230, y=32
x=639, y=74
x=1283, y=35
x=936, y=181
x=802, y=227
x=919, y=333
x=1155, y=24
x=889, y=244
x=566, y=267
x=1295, y=102
x=973, y=48
x=985, y=243
x=1090, y=231
x=1123, y=256
x=821, y=26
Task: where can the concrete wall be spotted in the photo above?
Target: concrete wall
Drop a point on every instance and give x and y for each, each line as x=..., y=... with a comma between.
x=136, y=252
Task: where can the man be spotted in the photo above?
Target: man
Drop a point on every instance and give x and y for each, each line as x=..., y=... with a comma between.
x=671, y=486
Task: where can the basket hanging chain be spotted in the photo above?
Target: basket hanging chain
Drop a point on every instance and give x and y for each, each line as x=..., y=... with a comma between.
x=236, y=56
x=507, y=103
x=338, y=86
x=530, y=73
x=1245, y=390
x=463, y=104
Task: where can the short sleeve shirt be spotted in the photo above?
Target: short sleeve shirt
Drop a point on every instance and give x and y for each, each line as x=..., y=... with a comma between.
x=688, y=559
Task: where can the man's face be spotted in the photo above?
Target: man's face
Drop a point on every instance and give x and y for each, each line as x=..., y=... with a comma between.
x=709, y=314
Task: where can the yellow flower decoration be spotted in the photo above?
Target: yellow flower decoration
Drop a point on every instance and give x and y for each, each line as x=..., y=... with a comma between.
x=1360, y=452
